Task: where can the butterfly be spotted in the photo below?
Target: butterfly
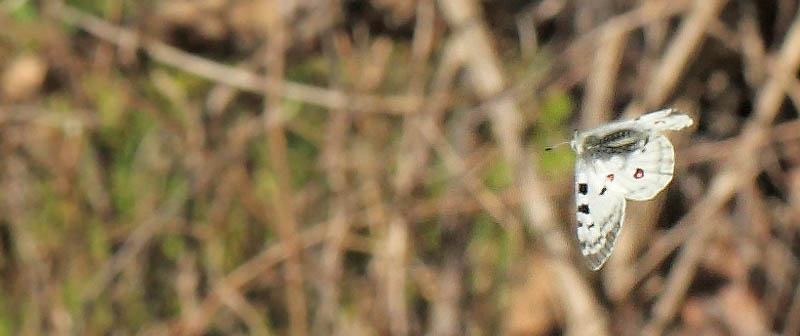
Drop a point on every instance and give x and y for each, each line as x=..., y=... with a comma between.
x=628, y=159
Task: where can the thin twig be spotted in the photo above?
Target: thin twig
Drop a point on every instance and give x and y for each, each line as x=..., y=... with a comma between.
x=234, y=77
x=282, y=199
x=686, y=42
x=238, y=278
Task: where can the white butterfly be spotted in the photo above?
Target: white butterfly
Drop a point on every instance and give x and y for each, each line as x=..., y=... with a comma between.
x=628, y=159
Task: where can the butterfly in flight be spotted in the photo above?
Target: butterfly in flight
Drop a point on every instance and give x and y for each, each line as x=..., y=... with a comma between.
x=627, y=159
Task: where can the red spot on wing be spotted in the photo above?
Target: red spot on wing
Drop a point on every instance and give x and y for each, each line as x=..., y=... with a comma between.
x=639, y=173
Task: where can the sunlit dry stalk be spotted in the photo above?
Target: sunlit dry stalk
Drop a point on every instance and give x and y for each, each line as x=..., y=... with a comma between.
x=334, y=159
x=133, y=245
x=240, y=277
x=486, y=79
x=282, y=198
x=792, y=325
x=753, y=50
x=17, y=204
x=448, y=313
x=578, y=52
x=684, y=269
x=678, y=55
x=432, y=114
x=413, y=152
x=252, y=316
x=603, y=76
x=412, y=159
x=396, y=254
x=793, y=315
x=485, y=75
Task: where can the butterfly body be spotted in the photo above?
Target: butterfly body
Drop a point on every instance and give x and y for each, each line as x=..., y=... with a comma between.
x=620, y=142
x=621, y=160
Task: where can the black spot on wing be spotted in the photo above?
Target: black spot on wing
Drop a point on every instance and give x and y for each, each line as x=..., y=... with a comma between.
x=583, y=188
x=583, y=208
x=603, y=191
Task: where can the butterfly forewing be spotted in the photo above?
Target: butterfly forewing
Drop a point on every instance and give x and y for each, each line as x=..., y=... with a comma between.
x=647, y=170
x=666, y=119
x=600, y=213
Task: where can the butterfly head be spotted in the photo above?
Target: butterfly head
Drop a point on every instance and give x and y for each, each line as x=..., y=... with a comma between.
x=576, y=143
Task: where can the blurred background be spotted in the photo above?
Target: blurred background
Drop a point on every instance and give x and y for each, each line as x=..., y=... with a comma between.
x=340, y=167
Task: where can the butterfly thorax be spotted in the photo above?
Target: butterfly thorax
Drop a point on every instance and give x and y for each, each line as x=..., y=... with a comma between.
x=618, y=142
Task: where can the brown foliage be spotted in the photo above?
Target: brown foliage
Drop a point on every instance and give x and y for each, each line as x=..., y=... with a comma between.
x=374, y=167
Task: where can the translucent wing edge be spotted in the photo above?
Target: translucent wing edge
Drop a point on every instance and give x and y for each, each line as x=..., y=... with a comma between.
x=596, y=251
x=666, y=119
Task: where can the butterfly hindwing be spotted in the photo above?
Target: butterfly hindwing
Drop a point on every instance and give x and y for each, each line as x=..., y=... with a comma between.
x=646, y=171
x=600, y=213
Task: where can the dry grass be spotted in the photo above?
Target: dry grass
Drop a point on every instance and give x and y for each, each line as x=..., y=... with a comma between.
x=375, y=167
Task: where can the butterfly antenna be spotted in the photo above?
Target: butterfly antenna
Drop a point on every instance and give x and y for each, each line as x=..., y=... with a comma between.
x=551, y=147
